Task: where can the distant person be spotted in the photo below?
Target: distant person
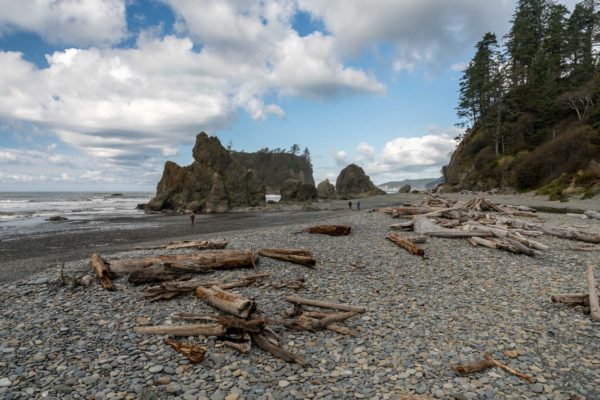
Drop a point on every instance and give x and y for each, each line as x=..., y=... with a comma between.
x=192, y=217
x=350, y=205
x=358, y=206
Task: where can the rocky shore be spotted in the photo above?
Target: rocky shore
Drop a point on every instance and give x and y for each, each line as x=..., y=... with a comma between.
x=423, y=316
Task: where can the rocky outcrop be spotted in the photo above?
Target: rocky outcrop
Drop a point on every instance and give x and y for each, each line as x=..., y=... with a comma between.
x=274, y=168
x=214, y=182
x=326, y=190
x=353, y=183
x=293, y=190
x=404, y=189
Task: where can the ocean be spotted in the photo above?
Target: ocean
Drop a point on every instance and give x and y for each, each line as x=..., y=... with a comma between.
x=27, y=212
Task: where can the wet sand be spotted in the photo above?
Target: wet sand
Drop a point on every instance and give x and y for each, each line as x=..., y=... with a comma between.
x=26, y=255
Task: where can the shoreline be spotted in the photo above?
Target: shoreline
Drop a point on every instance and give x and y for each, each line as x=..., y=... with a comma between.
x=26, y=255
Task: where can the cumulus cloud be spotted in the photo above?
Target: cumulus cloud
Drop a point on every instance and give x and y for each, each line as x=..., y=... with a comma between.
x=71, y=22
x=365, y=150
x=341, y=158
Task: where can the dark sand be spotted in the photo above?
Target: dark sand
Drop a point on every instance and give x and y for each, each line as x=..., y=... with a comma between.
x=27, y=255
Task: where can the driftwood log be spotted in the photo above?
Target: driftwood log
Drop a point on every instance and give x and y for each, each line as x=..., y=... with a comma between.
x=425, y=226
x=593, y=296
x=183, y=330
x=296, y=256
x=405, y=244
x=276, y=350
x=488, y=362
x=197, y=263
x=324, y=304
x=582, y=299
x=198, y=244
x=592, y=214
x=168, y=290
x=102, y=271
x=193, y=352
x=331, y=230
x=226, y=301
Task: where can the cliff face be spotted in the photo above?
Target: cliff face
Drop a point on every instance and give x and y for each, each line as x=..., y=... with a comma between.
x=214, y=182
x=272, y=169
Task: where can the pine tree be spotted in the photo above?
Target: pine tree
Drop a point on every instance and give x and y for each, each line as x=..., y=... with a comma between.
x=306, y=154
x=295, y=149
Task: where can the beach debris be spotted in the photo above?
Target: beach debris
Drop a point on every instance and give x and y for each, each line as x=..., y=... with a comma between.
x=86, y=280
x=331, y=230
x=592, y=214
x=189, y=244
x=296, y=256
x=226, y=301
x=324, y=304
x=293, y=285
x=487, y=362
x=582, y=247
x=193, y=352
x=594, y=307
x=589, y=301
x=170, y=267
x=405, y=243
x=169, y=289
x=103, y=271
x=211, y=329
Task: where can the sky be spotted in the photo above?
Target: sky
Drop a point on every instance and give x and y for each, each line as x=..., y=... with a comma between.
x=98, y=94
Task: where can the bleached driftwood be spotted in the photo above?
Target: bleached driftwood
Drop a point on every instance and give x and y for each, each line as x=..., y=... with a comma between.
x=226, y=301
x=324, y=304
x=592, y=214
x=405, y=244
x=296, y=256
x=594, y=307
x=424, y=226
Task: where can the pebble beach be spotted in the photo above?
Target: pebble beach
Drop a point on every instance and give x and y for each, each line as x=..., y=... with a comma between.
x=424, y=315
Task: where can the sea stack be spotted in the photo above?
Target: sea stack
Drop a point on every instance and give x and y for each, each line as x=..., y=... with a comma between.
x=214, y=182
x=353, y=183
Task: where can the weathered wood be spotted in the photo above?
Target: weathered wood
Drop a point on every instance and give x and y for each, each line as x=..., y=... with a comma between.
x=102, y=271
x=592, y=214
x=331, y=230
x=324, y=304
x=168, y=290
x=198, y=244
x=243, y=346
x=253, y=325
x=488, y=362
x=571, y=298
x=296, y=256
x=405, y=244
x=424, y=226
x=403, y=225
x=198, y=262
x=183, y=330
x=158, y=273
x=477, y=241
x=193, y=352
x=226, y=301
x=276, y=350
x=594, y=307
x=332, y=319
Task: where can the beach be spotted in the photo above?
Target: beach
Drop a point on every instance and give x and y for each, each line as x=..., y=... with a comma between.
x=423, y=315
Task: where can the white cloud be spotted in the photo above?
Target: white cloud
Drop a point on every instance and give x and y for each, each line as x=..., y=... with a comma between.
x=72, y=22
x=365, y=150
x=341, y=158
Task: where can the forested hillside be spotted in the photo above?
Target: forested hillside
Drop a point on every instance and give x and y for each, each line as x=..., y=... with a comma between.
x=530, y=104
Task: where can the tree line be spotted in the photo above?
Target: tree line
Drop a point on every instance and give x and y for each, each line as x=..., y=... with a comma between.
x=549, y=56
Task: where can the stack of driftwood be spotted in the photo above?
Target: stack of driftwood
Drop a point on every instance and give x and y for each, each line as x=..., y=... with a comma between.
x=480, y=221
x=171, y=275
x=589, y=301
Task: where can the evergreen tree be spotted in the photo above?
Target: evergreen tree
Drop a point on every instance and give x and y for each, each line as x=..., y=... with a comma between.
x=306, y=154
x=582, y=33
x=555, y=41
x=295, y=149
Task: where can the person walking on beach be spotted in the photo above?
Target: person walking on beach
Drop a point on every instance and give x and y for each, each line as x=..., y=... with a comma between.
x=358, y=206
x=350, y=205
x=192, y=217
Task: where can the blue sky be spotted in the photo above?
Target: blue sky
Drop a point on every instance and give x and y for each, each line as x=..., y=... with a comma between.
x=97, y=95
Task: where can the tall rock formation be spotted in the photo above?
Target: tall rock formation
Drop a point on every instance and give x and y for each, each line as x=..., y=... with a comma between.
x=214, y=182
x=326, y=190
x=353, y=183
x=293, y=190
x=274, y=168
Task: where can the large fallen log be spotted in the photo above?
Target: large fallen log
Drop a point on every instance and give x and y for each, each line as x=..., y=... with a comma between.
x=331, y=230
x=102, y=271
x=424, y=226
x=198, y=262
x=226, y=301
x=594, y=307
x=296, y=256
x=405, y=244
x=324, y=304
x=158, y=273
x=582, y=299
x=183, y=330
